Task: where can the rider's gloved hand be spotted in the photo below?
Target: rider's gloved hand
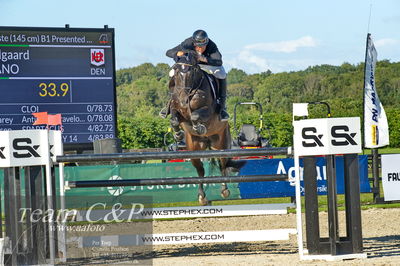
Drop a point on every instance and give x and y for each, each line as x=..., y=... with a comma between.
x=202, y=58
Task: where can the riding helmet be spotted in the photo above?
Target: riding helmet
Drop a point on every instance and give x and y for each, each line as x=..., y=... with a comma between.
x=200, y=38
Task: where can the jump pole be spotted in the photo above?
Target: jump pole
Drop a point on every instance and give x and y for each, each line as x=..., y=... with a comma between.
x=142, y=156
x=174, y=181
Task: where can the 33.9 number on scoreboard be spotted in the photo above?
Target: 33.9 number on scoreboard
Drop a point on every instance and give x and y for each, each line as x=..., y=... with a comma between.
x=52, y=89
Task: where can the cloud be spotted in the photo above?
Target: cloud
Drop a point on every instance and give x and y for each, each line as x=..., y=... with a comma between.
x=284, y=46
x=252, y=57
x=386, y=42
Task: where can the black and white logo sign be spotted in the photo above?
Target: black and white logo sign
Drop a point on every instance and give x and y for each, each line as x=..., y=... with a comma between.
x=341, y=136
x=311, y=138
x=23, y=148
x=2, y=156
x=29, y=147
x=327, y=136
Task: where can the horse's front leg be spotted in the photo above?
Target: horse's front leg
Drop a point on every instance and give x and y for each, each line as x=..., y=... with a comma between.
x=194, y=143
x=200, y=171
x=174, y=122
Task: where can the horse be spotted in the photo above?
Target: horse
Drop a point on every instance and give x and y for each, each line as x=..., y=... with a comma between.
x=194, y=108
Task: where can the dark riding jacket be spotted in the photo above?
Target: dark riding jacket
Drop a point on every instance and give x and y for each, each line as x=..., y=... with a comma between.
x=214, y=57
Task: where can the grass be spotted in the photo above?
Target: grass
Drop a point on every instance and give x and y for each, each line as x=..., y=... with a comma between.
x=382, y=151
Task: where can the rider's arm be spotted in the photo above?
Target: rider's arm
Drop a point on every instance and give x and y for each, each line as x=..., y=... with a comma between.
x=184, y=46
x=214, y=58
x=172, y=52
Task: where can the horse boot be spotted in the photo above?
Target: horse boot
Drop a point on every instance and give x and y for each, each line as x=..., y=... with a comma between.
x=224, y=116
x=178, y=133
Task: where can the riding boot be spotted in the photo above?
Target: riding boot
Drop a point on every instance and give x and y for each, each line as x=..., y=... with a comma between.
x=222, y=98
x=166, y=110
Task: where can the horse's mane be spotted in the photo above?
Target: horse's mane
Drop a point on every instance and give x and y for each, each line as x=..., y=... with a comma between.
x=188, y=63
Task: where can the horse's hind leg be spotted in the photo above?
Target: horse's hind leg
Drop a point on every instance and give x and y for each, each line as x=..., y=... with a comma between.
x=221, y=142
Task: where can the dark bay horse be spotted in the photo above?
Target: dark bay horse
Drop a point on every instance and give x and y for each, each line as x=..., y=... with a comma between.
x=194, y=109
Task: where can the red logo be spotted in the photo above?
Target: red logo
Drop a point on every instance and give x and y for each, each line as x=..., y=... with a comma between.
x=97, y=57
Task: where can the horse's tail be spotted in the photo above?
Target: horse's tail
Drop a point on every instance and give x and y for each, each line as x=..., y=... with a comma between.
x=231, y=165
x=235, y=165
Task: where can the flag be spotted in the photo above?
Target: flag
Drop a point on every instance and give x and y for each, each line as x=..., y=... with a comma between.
x=376, y=129
x=43, y=118
x=300, y=109
x=54, y=120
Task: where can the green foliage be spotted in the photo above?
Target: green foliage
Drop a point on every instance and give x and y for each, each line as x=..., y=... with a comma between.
x=143, y=90
x=236, y=76
x=143, y=131
x=393, y=115
x=279, y=129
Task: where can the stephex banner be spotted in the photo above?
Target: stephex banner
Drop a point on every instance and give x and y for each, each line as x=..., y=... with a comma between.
x=29, y=147
x=327, y=136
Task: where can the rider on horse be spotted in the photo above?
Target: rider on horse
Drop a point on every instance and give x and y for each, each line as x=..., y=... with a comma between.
x=207, y=54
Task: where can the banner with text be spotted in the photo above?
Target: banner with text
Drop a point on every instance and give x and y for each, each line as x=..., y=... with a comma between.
x=376, y=129
x=391, y=176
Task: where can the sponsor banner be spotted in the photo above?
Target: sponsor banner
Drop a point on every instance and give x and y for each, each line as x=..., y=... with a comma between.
x=189, y=212
x=287, y=188
x=327, y=136
x=159, y=193
x=376, y=129
x=183, y=238
x=391, y=176
x=28, y=147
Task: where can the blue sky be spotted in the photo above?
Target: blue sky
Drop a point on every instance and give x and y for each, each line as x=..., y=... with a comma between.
x=252, y=35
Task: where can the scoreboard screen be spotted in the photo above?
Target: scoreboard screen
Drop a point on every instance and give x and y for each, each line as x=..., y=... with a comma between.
x=59, y=70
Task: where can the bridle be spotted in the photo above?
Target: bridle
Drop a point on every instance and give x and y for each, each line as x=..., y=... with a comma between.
x=189, y=91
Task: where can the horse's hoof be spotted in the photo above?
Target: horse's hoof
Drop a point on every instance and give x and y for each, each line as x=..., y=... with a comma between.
x=225, y=193
x=200, y=129
x=203, y=200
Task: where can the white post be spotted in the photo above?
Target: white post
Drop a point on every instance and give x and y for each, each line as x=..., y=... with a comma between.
x=298, y=206
x=62, y=234
x=50, y=200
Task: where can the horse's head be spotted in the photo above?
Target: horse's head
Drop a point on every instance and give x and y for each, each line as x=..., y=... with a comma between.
x=187, y=73
x=192, y=92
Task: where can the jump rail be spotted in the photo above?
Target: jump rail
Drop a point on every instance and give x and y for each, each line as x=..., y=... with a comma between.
x=139, y=156
x=174, y=181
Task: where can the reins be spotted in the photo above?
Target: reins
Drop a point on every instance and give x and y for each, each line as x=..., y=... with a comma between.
x=192, y=90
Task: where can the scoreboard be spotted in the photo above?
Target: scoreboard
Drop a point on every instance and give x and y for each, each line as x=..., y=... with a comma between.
x=59, y=70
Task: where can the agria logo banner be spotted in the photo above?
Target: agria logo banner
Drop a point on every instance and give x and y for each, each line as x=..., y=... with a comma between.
x=327, y=136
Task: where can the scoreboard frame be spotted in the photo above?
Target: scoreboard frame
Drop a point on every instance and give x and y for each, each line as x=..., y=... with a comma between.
x=85, y=34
